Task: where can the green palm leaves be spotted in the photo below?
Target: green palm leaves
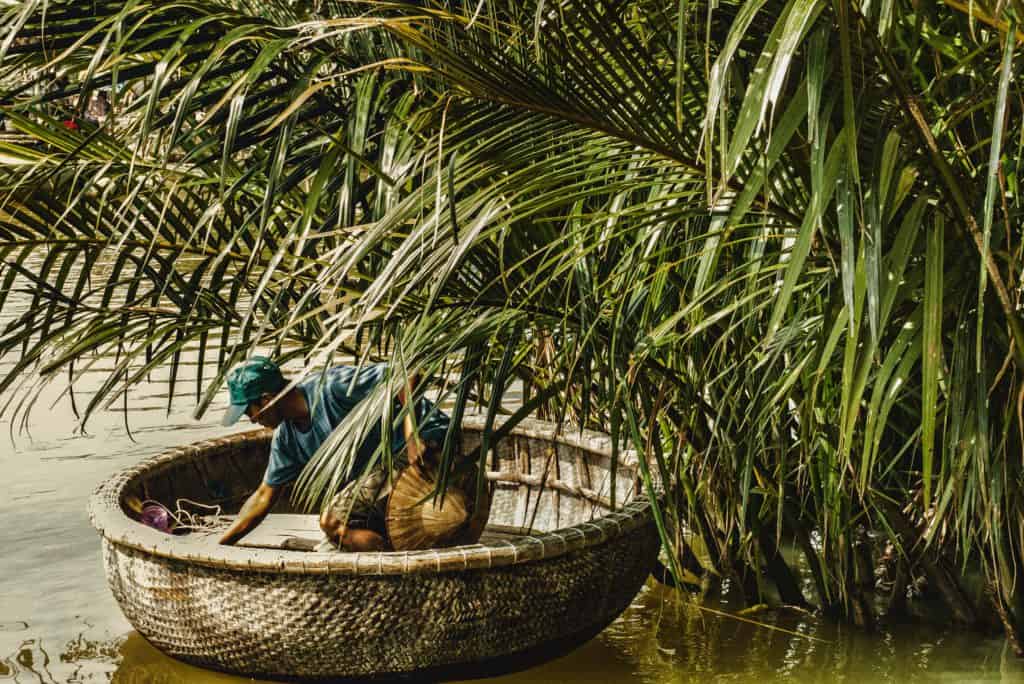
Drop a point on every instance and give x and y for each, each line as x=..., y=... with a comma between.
x=725, y=233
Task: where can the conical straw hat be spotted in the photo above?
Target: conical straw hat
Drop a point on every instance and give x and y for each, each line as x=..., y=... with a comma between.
x=414, y=521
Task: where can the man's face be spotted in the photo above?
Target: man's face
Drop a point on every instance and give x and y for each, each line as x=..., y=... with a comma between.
x=263, y=412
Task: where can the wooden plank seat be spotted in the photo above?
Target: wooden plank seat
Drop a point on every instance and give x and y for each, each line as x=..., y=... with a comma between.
x=294, y=531
x=301, y=532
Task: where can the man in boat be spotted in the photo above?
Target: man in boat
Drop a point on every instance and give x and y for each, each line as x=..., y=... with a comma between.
x=302, y=419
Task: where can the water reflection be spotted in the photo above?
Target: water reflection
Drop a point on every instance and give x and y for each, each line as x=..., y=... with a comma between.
x=659, y=639
x=81, y=661
x=143, y=664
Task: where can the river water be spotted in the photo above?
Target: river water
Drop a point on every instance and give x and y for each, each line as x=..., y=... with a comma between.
x=59, y=622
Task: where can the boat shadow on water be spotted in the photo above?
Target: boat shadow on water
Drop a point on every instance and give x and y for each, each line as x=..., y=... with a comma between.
x=142, y=663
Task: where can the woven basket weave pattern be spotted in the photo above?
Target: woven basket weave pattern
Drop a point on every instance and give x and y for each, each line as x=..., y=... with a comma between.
x=349, y=615
x=346, y=625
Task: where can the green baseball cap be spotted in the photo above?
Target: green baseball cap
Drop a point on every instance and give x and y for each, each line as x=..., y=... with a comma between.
x=247, y=382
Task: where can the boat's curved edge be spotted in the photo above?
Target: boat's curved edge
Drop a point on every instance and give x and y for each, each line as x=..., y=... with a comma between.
x=462, y=638
x=113, y=525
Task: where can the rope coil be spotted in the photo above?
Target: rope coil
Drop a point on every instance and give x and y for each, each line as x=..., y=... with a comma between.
x=184, y=519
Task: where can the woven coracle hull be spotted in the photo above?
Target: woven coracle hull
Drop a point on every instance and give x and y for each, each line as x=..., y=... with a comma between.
x=351, y=626
x=311, y=615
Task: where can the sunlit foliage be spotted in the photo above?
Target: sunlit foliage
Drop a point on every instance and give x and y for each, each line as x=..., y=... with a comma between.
x=772, y=244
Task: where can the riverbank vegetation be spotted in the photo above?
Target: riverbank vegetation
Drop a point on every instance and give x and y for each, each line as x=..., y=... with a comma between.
x=773, y=244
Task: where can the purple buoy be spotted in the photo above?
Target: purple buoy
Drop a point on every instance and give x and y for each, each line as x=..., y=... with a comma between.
x=156, y=516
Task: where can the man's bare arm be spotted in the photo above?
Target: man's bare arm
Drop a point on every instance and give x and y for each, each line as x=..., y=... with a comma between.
x=414, y=446
x=252, y=514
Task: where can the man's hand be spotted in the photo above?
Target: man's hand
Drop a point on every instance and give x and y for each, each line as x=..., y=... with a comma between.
x=252, y=514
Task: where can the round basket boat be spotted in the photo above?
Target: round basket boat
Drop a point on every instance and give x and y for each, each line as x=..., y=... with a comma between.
x=568, y=545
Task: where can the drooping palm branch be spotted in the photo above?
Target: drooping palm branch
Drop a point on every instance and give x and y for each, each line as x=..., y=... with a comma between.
x=770, y=244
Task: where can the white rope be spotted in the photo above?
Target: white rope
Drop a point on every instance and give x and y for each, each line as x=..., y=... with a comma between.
x=188, y=520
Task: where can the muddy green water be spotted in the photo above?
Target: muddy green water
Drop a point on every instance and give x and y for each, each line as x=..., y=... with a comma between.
x=59, y=622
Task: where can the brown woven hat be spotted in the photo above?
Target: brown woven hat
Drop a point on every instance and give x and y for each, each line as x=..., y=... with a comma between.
x=414, y=521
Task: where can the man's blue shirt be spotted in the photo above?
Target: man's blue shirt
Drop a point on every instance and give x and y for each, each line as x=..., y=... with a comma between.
x=329, y=403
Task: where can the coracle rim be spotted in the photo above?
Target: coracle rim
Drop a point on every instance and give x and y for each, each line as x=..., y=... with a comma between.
x=116, y=528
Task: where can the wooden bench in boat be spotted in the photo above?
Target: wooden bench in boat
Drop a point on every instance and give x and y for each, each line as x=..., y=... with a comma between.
x=301, y=532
